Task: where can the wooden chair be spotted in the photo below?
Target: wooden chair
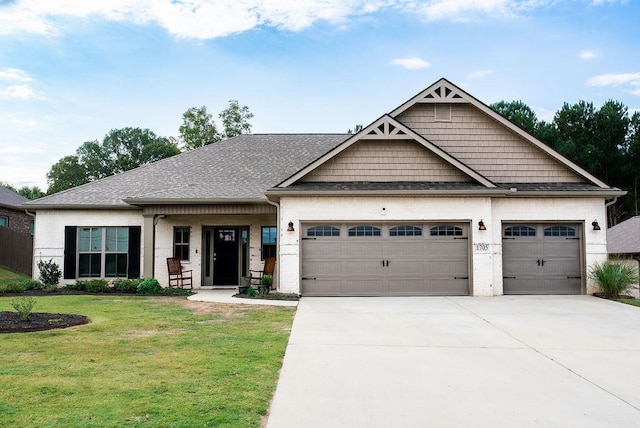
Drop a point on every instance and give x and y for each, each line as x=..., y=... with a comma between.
x=177, y=275
x=255, y=276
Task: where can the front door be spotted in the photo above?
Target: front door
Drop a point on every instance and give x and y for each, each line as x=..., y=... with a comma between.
x=225, y=254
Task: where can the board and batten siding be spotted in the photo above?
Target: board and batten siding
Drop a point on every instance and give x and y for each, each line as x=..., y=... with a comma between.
x=385, y=161
x=486, y=145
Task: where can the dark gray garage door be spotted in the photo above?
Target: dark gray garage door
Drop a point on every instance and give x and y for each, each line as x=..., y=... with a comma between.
x=541, y=258
x=385, y=259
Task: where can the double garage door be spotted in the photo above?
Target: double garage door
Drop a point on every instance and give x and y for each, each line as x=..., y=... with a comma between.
x=541, y=258
x=385, y=259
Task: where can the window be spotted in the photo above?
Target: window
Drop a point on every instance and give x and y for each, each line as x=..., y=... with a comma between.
x=4, y=221
x=520, y=231
x=364, y=231
x=323, y=231
x=446, y=230
x=103, y=252
x=269, y=236
x=405, y=231
x=559, y=231
x=181, y=242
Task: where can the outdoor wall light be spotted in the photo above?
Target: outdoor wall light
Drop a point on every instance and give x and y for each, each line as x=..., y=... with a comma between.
x=595, y=225
x=481, y=225
x=290, y=228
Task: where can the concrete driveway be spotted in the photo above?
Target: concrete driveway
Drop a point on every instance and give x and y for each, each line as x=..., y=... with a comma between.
x=568, y=361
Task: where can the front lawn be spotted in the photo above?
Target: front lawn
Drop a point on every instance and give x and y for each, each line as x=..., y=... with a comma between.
x=9, y=275
x=143, y=361
x=633, y=302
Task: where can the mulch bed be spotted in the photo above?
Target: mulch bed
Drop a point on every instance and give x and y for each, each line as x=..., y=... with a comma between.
x=270, y=296
x=10, y=322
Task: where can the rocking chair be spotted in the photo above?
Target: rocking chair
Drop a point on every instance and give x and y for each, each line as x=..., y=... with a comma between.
x=255, y=276
x=177, y=275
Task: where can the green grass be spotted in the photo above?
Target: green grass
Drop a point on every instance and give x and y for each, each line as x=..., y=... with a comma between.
x=143, y=361
x=632, y=302
x=9, y=275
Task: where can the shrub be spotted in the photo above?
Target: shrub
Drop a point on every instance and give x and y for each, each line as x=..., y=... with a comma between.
x=32, y=284
x=124, y=285
x=49, y=272
x=98, y=286
x=24, y=306
x=12, y=287
x=613, y=278
x=251, y=292
x=149, y=286
x=176, y=292
x=78, y=285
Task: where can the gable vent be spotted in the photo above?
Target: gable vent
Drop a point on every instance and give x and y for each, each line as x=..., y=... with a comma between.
x=443, y=112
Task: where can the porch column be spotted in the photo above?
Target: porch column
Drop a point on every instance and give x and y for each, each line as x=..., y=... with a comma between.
x=149, y=244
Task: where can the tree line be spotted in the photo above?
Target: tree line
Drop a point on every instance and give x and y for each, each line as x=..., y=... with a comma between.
x=604, y=141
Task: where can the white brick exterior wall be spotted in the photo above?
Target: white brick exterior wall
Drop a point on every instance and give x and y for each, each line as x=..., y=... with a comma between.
x=48, y=241
x=485, y=246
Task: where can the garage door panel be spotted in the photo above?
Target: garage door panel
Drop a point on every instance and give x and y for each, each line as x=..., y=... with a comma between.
x=547, y=261
x=403, y=263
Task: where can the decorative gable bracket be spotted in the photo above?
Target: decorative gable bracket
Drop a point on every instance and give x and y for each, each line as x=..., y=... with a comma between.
x=443, y=92
x=386, y=130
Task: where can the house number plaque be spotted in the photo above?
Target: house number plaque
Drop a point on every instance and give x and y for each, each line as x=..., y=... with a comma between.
x=481, y=247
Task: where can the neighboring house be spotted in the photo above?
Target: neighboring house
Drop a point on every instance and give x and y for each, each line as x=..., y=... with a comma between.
x=623, y=243
x=12, y=216
x=441, y=196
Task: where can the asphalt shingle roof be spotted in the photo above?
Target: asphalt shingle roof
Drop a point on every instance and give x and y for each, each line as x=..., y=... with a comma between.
x=9, y=198
x=241, y=168
x=624, y=238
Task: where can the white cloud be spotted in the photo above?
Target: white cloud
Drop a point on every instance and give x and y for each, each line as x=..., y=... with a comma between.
x=631, y=80
x=18, y=92
x=14, y=74
x=478, y=74
x=587, y=55
x=412, y=63
x=207, y=19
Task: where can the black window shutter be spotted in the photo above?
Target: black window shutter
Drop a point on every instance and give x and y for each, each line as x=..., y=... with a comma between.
x=134, y=252
x=69, y=267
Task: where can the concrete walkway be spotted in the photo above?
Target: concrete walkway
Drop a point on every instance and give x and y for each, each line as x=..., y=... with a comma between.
x=568, y=361
x=225, y=295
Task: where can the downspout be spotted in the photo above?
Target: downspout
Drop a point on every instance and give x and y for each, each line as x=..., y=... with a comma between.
x=606, y=207
x=277, y=205
x=33, y=255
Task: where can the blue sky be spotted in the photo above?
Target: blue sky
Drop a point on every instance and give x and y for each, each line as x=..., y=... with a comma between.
x=71, y=70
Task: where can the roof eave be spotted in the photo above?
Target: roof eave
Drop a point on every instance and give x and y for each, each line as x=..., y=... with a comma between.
x=279, y=192
x=78, y=207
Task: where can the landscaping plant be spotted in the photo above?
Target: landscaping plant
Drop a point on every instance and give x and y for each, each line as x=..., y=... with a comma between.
x=49, y=272
x=613, y=278
x=149, y=286
x=24, y=306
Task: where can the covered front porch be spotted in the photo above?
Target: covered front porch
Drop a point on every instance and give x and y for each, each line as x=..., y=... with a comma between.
x=219, y=243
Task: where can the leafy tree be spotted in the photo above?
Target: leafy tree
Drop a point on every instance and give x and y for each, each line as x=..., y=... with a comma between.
x=198, y=128
x=235, y=120
x=121, y=150
x=68, y=172
x=357, y=128
x=33, y=192
x=518, y=113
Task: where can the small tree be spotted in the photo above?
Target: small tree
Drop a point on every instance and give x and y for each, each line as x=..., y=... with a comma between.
x=49, y=273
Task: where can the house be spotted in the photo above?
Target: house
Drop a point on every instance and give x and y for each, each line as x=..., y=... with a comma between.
x=12, y=216
x=623, y=243
x=440, y=196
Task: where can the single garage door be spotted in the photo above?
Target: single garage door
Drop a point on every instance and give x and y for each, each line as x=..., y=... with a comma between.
x=541, y=258
x=385, y=259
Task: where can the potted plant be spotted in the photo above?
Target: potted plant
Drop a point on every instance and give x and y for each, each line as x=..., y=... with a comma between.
x=265, y=284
